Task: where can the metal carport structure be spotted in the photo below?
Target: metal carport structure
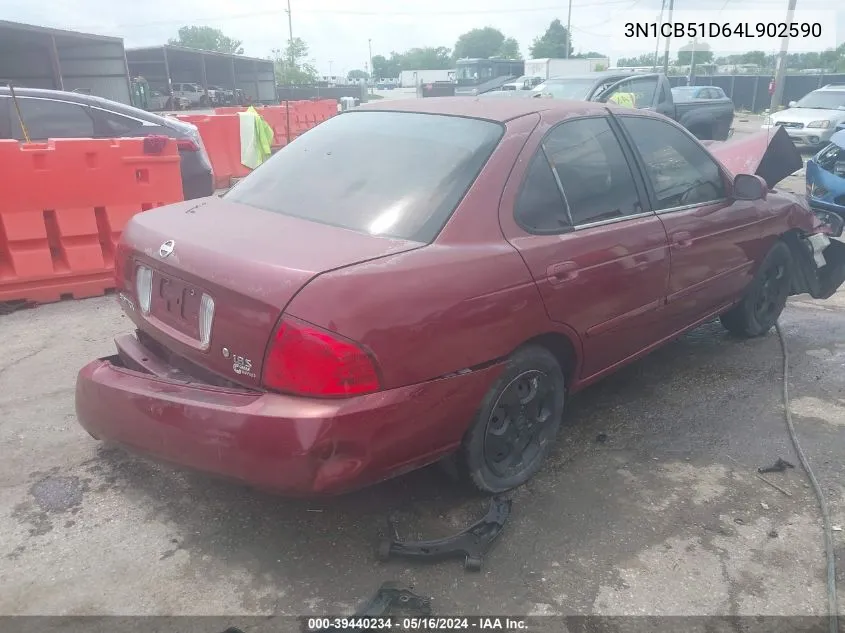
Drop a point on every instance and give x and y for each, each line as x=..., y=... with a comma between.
x=162, y=66
x=41, y=57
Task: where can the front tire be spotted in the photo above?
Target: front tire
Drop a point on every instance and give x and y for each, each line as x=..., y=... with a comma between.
x=765, y=298
x=517, y=422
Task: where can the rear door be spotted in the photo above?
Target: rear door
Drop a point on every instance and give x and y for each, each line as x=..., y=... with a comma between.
x=713, y=241
x=578, y=214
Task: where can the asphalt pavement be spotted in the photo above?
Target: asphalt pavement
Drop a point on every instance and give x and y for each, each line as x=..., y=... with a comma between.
x=650, y=504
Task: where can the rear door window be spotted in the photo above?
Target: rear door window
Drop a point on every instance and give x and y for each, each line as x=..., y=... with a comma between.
x=398, y=174
x=108, y=124
x=46, y=118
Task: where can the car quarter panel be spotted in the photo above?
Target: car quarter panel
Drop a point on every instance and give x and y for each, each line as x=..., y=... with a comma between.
x=463, y=301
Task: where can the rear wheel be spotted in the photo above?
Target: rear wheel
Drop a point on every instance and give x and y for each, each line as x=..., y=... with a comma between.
x=765, y=298
x=517, y=422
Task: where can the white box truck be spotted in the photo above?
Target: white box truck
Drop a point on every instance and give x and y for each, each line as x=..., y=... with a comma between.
x=413, y=78
x=549, y=67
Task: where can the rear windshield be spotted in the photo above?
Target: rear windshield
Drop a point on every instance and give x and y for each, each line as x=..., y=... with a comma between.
x=396, y=174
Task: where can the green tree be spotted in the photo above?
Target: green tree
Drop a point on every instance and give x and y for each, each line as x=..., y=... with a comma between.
x=554, y=43
x=685, y=58
x=590, y=55
x=384, y=68
x=354, y=75
x=509, y=49
x=207, y=39
x=290, y=64
x=646, y=59
x=429, y=58
x=485, y=43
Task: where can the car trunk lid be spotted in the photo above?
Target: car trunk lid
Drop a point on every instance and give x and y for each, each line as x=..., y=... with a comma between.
x=250, y=262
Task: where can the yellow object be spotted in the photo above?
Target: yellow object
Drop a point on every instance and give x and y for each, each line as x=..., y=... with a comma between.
x=624, y=99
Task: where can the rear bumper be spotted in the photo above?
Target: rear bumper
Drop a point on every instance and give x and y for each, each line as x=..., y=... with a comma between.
x=297, y=446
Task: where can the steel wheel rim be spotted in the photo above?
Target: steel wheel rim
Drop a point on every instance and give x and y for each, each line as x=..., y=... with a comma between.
x=517, y=426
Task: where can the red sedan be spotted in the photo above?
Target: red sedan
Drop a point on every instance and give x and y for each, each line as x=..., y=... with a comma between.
x=414, y=279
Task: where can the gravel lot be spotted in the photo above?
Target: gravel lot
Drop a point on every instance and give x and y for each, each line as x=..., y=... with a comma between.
x=665, y=517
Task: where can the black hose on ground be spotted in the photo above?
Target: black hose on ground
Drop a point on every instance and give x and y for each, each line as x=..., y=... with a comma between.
x=833, y=611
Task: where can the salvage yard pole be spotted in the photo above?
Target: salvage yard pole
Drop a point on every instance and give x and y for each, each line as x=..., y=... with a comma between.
x=780, y=72
x=569, y=30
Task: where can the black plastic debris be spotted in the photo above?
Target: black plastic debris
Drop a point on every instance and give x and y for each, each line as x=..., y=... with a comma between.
x=778, y=467
x=471, y=543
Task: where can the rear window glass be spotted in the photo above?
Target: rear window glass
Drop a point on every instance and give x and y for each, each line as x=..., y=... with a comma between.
x=396, y=174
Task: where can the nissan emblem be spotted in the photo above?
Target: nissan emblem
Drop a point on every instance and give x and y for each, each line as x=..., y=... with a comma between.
x=166, y=248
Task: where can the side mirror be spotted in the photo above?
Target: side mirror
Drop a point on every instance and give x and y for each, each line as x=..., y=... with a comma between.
x=748, y=187
x=792, y=104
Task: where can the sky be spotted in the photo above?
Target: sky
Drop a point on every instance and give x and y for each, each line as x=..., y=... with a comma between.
x=337, y=31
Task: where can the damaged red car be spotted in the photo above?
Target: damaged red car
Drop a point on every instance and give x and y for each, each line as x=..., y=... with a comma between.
x=413, y=280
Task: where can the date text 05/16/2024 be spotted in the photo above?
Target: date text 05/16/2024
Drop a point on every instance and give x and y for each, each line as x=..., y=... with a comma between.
x=723, y=29
x=421, y=624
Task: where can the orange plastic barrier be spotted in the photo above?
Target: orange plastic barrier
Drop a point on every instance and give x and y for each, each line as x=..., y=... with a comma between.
x=65, y=203
x=221, y=135
x=229, y=109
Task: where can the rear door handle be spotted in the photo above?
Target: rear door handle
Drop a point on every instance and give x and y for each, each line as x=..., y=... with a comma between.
x=562, y=272
x=682, y=239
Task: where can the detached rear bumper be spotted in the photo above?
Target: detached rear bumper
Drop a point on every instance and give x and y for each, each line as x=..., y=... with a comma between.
x=297, y=446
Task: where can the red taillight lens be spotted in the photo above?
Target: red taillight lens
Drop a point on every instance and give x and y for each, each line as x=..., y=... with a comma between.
x=309, y=361
x=187, y=145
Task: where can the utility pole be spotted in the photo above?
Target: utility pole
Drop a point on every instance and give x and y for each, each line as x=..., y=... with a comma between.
x=290, y=36
x=372, y=78
x=668, y=39
x=780, y=72
x=657, y=43
x=569, y=30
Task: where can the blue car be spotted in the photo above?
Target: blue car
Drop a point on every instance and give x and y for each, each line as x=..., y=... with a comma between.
x=826, y=180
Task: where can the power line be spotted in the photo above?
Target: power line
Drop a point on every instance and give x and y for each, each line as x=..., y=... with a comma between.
x=254, y=14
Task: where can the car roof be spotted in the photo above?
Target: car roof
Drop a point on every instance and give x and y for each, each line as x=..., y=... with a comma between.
x=831, y=88
x=498, y=110
x=91, y=100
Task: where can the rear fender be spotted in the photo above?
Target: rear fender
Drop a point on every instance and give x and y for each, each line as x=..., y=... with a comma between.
x=820, y=264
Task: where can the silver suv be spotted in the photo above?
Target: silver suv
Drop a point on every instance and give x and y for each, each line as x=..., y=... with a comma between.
x=811, y=121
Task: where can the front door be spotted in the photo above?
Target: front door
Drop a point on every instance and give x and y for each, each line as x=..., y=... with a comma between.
x=578, y=215
x=712, y=239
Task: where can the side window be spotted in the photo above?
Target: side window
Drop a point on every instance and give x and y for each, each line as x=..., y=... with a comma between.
x=52, y=119
x=680, y=170
x=593, y=171
x=5, y=118
x=638, y=92
x=112, y=124
x=540, y=207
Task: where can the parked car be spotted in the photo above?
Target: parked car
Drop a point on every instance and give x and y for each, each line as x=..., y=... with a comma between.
x=278, y=339
x=194, y=94
x=826, y=177
x=707, y=120
x=217, y=95
x=55, y=114
x=162, y=101
x=812, y=120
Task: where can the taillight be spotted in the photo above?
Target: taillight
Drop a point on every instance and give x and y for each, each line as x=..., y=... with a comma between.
x=187, y=145
x=309, y=361
x=144, y=287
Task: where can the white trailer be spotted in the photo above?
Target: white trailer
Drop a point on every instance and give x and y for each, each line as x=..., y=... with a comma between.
x=413, y=78
x=550, y=67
